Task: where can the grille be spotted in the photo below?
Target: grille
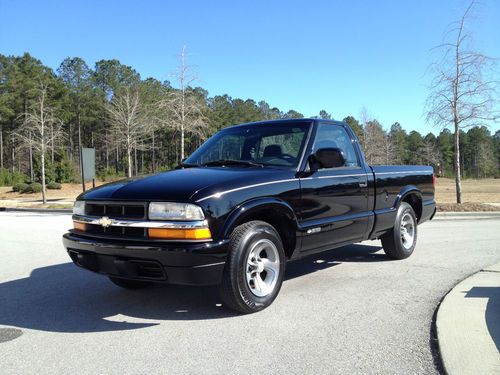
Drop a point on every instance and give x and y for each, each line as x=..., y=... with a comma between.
x=116, y=210
x=115, y=231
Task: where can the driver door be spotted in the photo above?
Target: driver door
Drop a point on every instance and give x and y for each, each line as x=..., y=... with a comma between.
x=334, y=200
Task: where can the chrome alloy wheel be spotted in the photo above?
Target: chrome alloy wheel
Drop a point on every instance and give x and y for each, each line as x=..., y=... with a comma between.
x=262, y=268
x=407, y=230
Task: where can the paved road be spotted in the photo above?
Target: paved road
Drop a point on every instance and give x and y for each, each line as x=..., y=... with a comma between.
x=347, y=311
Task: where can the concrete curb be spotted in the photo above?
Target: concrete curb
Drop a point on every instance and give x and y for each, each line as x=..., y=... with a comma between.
x=468, y=325
x=478, y=215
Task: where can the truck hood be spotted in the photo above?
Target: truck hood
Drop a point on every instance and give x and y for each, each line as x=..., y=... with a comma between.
x=182, y=185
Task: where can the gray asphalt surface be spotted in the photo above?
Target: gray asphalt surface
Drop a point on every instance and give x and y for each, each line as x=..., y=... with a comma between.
x=350, y=310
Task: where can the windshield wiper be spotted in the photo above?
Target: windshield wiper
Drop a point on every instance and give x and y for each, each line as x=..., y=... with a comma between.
x=233, y=162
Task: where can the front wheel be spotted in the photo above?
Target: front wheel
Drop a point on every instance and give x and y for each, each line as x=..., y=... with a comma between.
x=400, y=242
x=254, y=268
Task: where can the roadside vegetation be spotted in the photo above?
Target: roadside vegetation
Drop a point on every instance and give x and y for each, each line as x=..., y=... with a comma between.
x=141, y=125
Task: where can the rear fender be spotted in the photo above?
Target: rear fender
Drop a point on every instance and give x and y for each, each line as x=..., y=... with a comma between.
x=407, y=191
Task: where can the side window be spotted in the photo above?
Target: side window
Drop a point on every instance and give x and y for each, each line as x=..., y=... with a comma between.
x=335, y=136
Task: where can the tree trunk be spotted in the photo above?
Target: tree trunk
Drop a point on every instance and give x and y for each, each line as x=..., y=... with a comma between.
x=32, y=172
x=136, y=172
x=1, y=146
x=13, y=153
x=42, y=159
x=107, y=149
x=116, y=161
x=129, y=162
x=182, y=141
x=458, y=180
x=142, y=159
x=70, y=143
x=153, y=157
x=52, y=145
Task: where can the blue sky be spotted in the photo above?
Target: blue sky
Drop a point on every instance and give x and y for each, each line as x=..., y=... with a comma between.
x=304, y=55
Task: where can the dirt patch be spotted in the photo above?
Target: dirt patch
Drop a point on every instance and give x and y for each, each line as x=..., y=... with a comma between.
x=466, y=207
x=67, y=192
x=474, y=191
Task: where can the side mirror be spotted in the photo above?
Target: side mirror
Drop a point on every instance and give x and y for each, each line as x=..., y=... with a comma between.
x=327, y=158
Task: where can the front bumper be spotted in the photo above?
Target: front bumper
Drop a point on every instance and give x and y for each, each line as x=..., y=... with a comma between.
x=170, y=262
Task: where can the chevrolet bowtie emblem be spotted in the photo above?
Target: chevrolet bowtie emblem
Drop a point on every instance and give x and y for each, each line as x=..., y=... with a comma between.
x=105, y=221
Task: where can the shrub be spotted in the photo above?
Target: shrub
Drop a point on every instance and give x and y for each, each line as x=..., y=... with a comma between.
x=54, y=186
x=50, y=173
x=27, y=189
x=35, y=187
x=65, y=170
x=109, y=174
x=20, y=186
x=8, y=178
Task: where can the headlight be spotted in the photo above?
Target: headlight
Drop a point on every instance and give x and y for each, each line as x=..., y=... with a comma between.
x=79, y=208
x=175, y=211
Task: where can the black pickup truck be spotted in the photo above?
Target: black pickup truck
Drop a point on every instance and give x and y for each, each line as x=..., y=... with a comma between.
x=251, y=198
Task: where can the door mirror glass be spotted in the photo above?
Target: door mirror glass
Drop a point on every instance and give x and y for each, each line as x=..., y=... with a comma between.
x=327, y=158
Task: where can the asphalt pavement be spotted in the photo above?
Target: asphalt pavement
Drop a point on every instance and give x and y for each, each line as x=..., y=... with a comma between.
x=350, y=310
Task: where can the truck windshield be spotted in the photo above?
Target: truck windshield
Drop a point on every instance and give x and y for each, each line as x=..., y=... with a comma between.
x=253, y=145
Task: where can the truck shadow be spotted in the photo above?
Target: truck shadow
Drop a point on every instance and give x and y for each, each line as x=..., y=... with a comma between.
x=346, y=254
x=492, y=309
x=64, y=298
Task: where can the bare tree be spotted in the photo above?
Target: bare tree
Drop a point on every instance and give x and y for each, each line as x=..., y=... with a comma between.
x=375, y=142
x=389, y=149
x=40, y=128
x=365, y=118
x=130, y=122
x=461, y=95
x=184, y=110
x=429, y=152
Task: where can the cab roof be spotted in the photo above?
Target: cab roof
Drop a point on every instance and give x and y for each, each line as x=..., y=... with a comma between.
x=290, y=120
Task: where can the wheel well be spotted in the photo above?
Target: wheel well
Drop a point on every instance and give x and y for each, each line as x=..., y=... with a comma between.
x=415, y=201
x=281, y=221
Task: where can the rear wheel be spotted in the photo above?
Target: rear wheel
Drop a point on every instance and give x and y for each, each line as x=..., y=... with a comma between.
x=254, y=269
x=129, y=284
x=400, y=242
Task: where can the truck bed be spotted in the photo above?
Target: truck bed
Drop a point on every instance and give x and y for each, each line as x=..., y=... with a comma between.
x=391, y=183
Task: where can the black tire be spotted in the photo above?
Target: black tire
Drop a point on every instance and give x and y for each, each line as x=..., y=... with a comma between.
x=393, y=242
x=129, y=284
x=237, y=291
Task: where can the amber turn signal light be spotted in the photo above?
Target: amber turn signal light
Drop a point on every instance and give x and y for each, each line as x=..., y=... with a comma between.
x=79, y=226
x=179, y=234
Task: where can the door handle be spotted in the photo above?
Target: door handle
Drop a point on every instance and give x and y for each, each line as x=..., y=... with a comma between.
x=363, y=183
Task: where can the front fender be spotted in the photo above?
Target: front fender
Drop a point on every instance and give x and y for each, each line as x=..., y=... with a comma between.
x=251, y=208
